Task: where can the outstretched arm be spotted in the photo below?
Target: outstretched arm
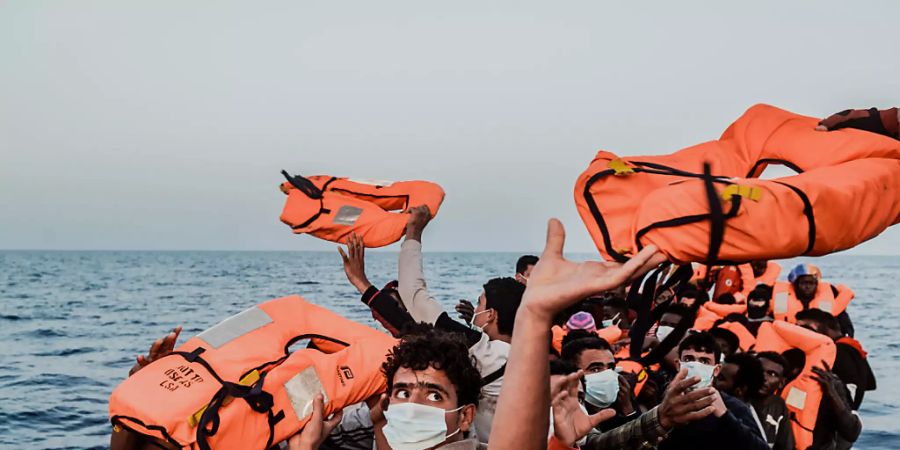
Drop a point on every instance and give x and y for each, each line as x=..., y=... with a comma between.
x=522, y=413
x=413, y=290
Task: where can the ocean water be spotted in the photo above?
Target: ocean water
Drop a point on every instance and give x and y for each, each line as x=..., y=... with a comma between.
x=71, y=323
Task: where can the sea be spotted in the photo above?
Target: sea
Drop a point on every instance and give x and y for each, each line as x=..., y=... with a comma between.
x=72, y=322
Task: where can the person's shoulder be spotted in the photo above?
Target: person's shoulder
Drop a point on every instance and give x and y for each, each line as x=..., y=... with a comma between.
x=736, y=406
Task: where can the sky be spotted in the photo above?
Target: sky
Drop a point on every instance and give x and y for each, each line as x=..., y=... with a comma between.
x=165, y=124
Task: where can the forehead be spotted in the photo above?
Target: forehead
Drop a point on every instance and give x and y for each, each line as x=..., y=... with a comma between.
x=593, y=355
x=697, y=354
x=769, y=365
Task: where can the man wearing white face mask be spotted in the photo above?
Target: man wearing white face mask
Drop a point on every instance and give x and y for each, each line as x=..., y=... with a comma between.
x=731, y=424
x=432, y=389
x=603, y=386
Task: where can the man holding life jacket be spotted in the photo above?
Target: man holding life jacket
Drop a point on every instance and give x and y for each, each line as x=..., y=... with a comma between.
x=493, y=317
x=805, y=290
x=604, y=387
x=731, y=425
x=770, y=406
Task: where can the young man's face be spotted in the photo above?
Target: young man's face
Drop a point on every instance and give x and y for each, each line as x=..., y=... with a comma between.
x=707, y=358
x=806, y=286
x=594, y=360
x=431, y=387
x=617, y=316
x=773, y=377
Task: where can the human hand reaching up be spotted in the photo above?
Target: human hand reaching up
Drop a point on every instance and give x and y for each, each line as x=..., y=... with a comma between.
x=883, y=122
x=556, y=283
x=570, y=422
x=355, y=263
x=317, y=429
x=419, y=216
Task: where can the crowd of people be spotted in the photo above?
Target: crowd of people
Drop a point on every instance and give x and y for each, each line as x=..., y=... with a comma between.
x=599, y=355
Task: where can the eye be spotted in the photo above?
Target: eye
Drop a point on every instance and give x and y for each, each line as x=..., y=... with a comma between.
x=401, y=394
x=434, y=397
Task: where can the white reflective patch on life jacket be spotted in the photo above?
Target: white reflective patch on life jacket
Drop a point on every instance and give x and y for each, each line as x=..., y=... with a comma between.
x=302, y=389
x=827, y=306
x=796, y=398
x=347, y=215
x=781, y=302
x=371, y=182
x=235, y=327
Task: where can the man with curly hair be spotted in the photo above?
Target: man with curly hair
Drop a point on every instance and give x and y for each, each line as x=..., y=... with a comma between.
x=433, y=388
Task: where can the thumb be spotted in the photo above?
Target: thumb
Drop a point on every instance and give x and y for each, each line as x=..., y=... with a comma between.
x=333, y=422
x=318, y=408
x=556, y=239
x=601, y=416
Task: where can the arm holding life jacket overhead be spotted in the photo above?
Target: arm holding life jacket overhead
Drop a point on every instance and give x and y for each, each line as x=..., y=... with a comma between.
x=413, y=290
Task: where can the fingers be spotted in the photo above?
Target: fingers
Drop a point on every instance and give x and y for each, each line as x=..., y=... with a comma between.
x=601, y=416
x=560, y=399
x=343, y=256
x=154, y=349
x=332, y=422
x=556, y=239
x=142, y=361
x=697, y=415
x=318, y=409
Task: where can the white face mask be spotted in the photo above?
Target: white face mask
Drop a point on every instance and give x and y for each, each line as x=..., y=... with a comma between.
x=414, y=426
x=664, y=331
x=476, y=327
x=601, y=388
x=699, y=370
x=610, y=322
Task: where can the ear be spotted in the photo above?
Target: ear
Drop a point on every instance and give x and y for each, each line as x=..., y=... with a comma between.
x=466, y=417
x=677, y=365
x=716, y=370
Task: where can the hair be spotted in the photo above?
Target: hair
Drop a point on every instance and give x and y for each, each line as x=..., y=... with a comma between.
x=572, y=350
x=777, y=359
x=616, y=302
x=725, y=299
x=700, y=295
x=504, y=296
x=681, y=310
x=729, y=337
x=425, y=346
x=750, y=372
x=562, y=367
x=823, y=318
x=525, y=261
x=795, y=359
x=700, y=342
x=760, y=292
x=733, y=317
x=574, y=335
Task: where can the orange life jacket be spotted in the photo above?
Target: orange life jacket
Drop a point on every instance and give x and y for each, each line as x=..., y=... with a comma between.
x=695, y=207
x=770, y=276
x=331, y=208
x=785, y=304
x=710, y=312
x=636, y=368
x=237, y=386
x=746, y=338
x=735, y=280
x=802, y=395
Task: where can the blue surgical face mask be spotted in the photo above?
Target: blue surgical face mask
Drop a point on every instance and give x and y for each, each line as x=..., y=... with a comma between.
x=663, y=331
x=702, y=371
x=414, y=426
x=601, y=388
x=610, y=322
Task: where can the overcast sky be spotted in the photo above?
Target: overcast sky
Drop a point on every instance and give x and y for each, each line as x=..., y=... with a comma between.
x=165, y=124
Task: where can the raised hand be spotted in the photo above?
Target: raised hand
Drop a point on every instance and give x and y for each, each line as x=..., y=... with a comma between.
x=882, y=122
x=570, y=422
x=419, y=216
x=832, y=386
x=355, y=263
x=317, y=429
x=681, y=405
x=160, y=348
x=556, y=283
x=466, y=310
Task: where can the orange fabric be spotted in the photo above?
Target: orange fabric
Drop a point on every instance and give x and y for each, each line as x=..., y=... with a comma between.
x=843, y=170
x=747, y=340
x=785, y=304
x=556, y=444
x=611, y=334
x=558, y=333
x=711, y=312
x=166, y=393
x=770, y=276
x=372, y=211
x=803, y=394
x=637, y=369
x=735, y=280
